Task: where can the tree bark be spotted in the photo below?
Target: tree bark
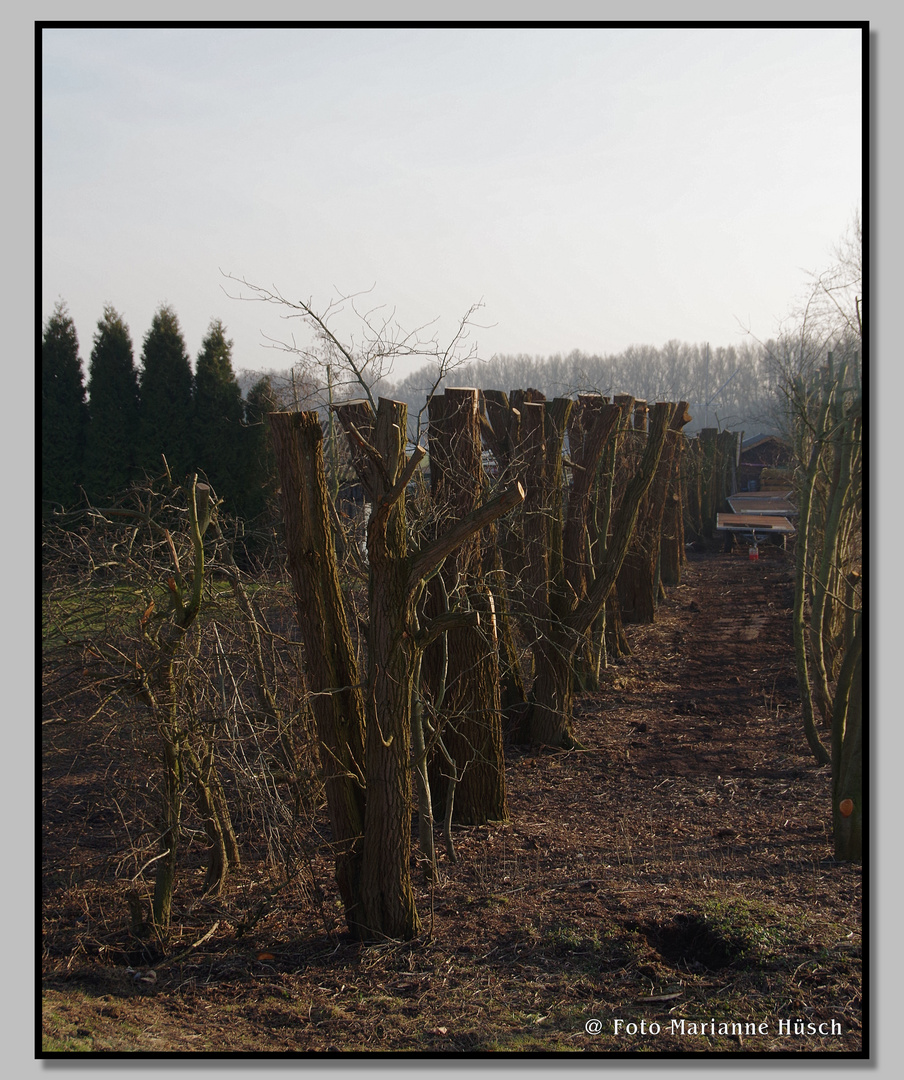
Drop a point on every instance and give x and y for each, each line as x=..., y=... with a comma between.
x=590, y=430
x=803, y=557
x=470, y=716
x=671, y=554
x=553, y=693
x=333, y=678
x=500, y=431
x=691, y=489
x=709, y=480
x=638, y=582
x=396, y=582
x=847, y=754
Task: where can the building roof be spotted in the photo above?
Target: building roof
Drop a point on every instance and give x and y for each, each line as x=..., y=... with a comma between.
x=759, y=440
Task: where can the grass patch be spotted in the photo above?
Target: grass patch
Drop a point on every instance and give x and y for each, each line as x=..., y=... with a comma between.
x=720, y=933
x=78, y=615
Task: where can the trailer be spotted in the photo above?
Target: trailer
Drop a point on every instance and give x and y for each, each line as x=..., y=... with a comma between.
x=766, y=504
x=759, y=527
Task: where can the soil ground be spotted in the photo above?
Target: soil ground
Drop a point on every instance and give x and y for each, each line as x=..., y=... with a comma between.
x=677, y=872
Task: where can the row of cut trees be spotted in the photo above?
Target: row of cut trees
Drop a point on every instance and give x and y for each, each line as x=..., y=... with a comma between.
x=456, y=579
x=710, y=476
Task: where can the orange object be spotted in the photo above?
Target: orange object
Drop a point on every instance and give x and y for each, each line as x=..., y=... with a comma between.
x=146, y=615
x=846, y=806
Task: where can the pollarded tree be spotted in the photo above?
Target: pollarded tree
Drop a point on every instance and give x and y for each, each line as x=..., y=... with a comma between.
x=462, y=667
x=637, y=585
x=396, y=636
x=110, y=454
x=64, y=410
x=166, y=398
x=576, y=611
x=219, y=414
x=365, y=716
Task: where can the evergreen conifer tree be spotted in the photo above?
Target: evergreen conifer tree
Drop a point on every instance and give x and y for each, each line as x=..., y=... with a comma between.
x=64, y=412
x=258, y=456
x=219, y=415
x=167, y=407
x=110, y=458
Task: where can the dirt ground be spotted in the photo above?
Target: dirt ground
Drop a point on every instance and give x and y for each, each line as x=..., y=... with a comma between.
x=671, y=889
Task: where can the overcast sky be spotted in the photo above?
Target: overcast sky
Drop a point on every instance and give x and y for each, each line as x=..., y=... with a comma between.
x=593, y=188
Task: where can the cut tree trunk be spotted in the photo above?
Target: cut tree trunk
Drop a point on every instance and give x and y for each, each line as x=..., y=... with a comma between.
x=503, y=554
x=395, y=640
x=671, y=551
x=550, y=716
x=466, y=665
x=710, y=481
x=332, y=672
x=639, y=580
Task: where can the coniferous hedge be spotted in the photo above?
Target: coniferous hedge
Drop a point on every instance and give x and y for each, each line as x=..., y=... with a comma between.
x=166, y=396
x=218, y=418
x=111, y=453
x=64, y=412
x=99, y=438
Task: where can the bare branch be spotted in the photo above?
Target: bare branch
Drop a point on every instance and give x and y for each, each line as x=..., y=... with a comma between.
x=430, y=557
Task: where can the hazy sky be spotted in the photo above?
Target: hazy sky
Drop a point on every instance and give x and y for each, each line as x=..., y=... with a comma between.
x=593, y=188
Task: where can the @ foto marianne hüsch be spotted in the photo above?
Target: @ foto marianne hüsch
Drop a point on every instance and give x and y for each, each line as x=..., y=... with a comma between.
x=677, y=1026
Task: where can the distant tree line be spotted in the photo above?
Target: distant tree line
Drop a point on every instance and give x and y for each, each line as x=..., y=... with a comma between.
x=129, y=421
x=733, y=388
